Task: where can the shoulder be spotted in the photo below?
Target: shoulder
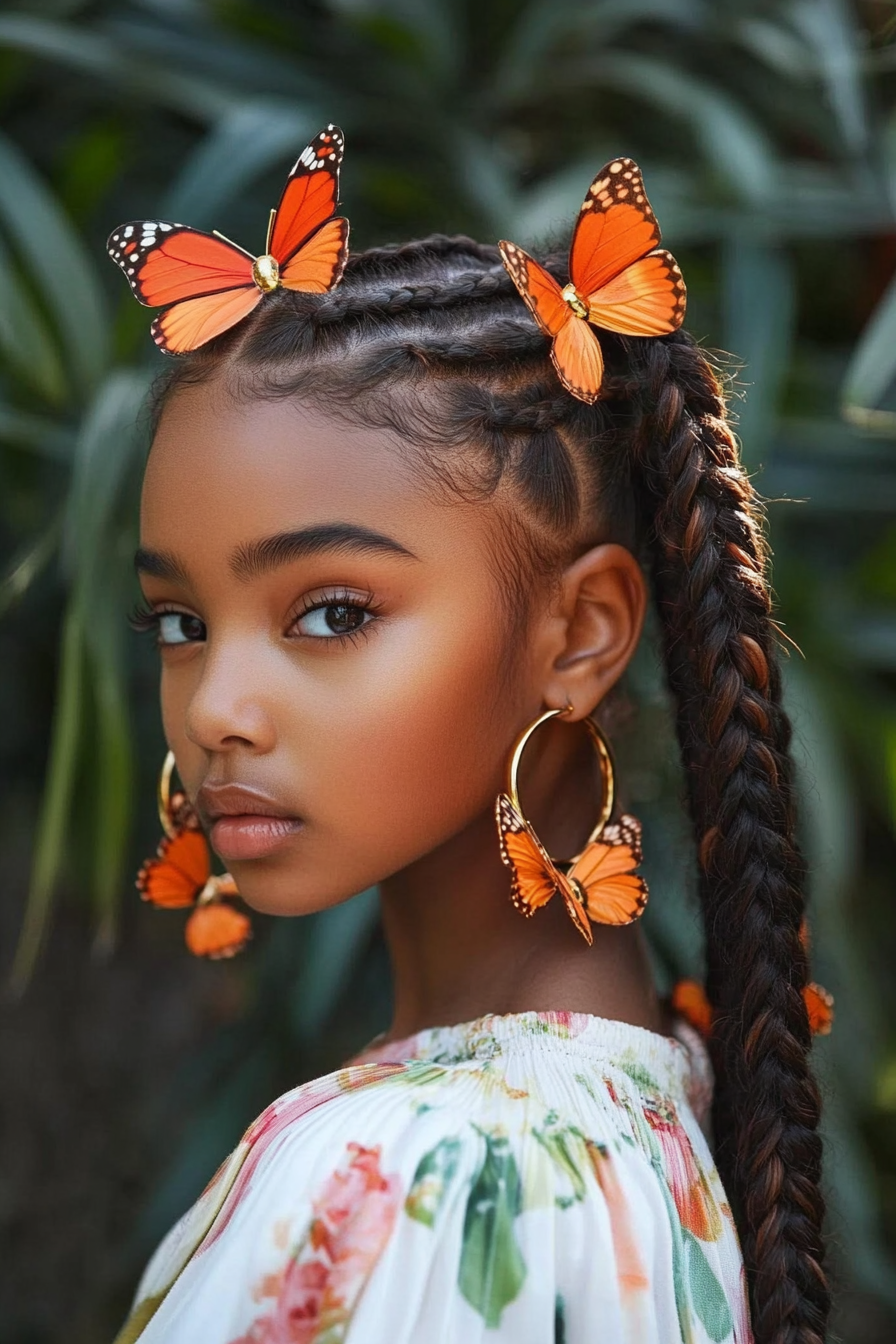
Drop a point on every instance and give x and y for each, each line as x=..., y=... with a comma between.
x=390, y=1194
x=308, y=1119
x=340, y=1148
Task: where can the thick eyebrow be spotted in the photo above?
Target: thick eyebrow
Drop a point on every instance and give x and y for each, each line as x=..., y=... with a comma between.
x=258, y=557
x=160, y=564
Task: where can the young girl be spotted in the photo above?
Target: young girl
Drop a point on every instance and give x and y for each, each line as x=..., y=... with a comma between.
x=396, y=558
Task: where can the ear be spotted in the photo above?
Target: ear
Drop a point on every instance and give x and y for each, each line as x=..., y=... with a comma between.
x=596, y=623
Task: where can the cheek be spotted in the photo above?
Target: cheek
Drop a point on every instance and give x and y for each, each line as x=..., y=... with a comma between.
x=176, y=686
x=421, y=749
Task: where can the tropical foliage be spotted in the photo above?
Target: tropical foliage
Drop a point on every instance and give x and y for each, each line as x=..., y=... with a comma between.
x=766, y=130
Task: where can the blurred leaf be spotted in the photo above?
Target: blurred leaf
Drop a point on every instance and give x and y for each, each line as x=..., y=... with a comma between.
x=92, y=53
x=432, y=29
x=57, y=263
x=733, y=141
x=829, y=29
x=873, y=365
x=486, y=177
x=854, y=1211
x=336, y=937
x=214, y=1132
x=49, y=845
x=759, y=312
x=240, y=148
x=541, y=28
x=24, y=430
x=776, y=45
x=105, y=449
x=820, y=487
x=830, y=833
x=551, y=205
x=25, y=342
x=112, y=765
x=25, y=566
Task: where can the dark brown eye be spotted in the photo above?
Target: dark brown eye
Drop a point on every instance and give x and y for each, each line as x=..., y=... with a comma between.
x=329, y=620
x=343, y=619
x=176, y=627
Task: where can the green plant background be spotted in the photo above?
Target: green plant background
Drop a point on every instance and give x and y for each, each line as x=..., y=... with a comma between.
x=767, y=133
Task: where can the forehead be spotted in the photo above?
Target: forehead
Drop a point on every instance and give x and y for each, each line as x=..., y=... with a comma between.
x=223, y=471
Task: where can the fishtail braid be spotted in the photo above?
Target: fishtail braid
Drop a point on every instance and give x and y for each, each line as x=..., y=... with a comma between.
x=713, y=597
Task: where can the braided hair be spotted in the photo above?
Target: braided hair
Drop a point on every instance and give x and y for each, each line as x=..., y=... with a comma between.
x=430, y=341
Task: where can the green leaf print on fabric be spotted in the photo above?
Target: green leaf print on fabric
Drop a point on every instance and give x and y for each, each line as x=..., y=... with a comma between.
x=564, y=1145
x=584, y=1081
x=435, y=1172
x=559, y=1321
x=492, y=1269
x=707, y=1294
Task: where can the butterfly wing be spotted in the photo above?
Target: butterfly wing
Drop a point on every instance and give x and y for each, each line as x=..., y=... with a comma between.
x=615, y=227
x=647, y=299
x=576, y=352
x=186, y=325
x=533, y=874
x=539, y=290
x=318, y=266
x=578, y=359
x=535, y=879
x=820, y=1007
x=177, y=876
x=217, y=930
x=690, y=1002
x=310, y=196
x=614, y=893
x=629, y=284
x=165, y=263
x=204, y=283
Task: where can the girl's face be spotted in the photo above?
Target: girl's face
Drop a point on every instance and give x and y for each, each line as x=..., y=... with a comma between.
x=333, y=644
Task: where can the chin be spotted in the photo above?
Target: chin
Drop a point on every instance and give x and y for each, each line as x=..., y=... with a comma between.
x=289, y=895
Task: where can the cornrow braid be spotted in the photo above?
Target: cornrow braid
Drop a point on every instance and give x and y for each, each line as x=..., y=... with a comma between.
x=431, y=341
x=341, y=303
x=434, y=245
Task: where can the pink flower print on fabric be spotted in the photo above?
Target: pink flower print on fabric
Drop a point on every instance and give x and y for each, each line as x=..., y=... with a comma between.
x=694, y=1199
x=318, y=1290
x=277, y=1120
x=568, y=1025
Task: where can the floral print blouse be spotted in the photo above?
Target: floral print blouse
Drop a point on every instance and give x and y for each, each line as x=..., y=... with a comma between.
x=539, y=1178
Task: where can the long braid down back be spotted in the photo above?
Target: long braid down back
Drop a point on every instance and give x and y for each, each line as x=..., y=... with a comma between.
x=431, y=341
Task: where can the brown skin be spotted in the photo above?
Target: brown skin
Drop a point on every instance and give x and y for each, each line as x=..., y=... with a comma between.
x=392, y=745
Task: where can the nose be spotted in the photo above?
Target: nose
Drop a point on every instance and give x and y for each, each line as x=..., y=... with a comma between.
x=227, y=709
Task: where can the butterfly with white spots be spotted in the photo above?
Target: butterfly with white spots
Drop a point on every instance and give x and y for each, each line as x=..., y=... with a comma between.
x=206, y=284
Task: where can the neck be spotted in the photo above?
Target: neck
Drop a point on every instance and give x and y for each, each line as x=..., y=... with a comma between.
x=460, y=950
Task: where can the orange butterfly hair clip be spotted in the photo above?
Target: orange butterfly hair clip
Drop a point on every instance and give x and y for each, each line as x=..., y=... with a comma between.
x=206, y=284
x=690, y=1002
x=619, y=279
x=600, y=884
x=180, y=877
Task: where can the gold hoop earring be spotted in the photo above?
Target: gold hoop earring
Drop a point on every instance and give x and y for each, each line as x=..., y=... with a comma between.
x=180, y=876
x=605, y=761
x=599, y=883
x=175, y=812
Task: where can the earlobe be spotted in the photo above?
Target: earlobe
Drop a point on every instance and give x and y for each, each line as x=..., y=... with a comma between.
x=601, y=609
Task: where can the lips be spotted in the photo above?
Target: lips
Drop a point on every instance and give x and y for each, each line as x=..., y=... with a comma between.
x=245, y=823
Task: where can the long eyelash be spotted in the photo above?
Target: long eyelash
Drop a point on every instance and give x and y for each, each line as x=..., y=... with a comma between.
x=336, y=598
x=143, y=619
x=339, y=597
x=351, y=636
